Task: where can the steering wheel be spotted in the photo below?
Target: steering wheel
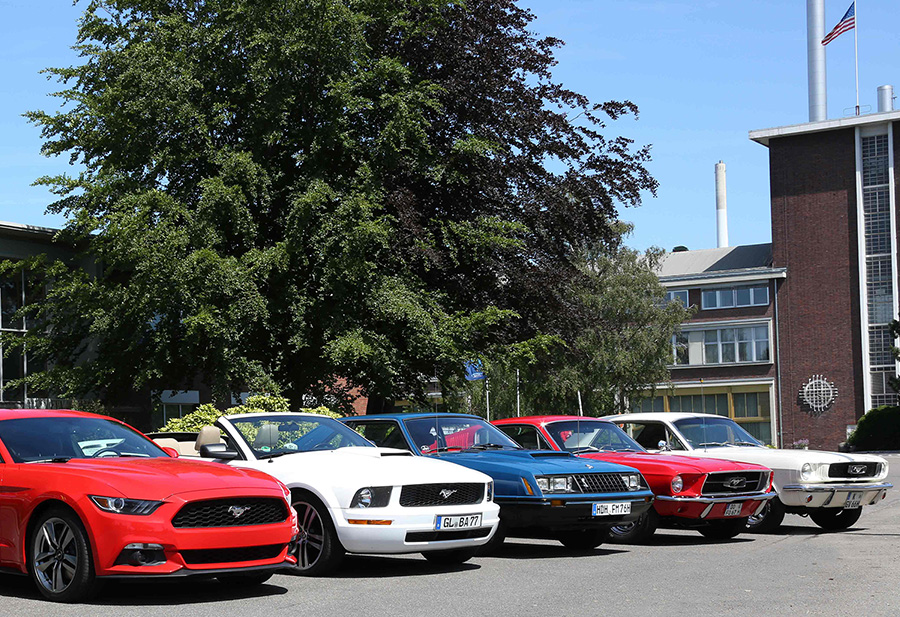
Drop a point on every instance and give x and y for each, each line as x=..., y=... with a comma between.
x=106, y=452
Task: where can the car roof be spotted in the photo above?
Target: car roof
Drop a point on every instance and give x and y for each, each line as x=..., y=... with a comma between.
x=13, y=414
x=671, y=415
x=413, y=415
x=548, y=419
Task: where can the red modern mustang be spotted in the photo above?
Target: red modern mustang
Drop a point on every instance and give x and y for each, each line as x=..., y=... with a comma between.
x=714, y=496
x=85, y=497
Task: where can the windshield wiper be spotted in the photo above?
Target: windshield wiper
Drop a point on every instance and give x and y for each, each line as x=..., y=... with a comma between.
x=276, y=454
x=444, y=449
x=714, y=443
x=585, y=449
x=488, y=446
x=745, y=443
x=55, y=459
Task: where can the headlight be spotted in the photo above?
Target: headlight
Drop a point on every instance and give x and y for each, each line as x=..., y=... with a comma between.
x=490, y=491
x=632, y=481
x=371, y=497
x=806, y=472
x=555, y=484
x=120, y=505
x=677, y=484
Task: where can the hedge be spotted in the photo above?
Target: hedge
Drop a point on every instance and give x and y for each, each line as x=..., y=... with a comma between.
x=207, y=414
x=877, y=430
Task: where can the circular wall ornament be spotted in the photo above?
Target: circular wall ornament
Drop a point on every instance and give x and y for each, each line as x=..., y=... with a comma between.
x=818, y=394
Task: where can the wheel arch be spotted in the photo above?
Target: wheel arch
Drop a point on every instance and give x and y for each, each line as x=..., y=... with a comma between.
x=48, y=504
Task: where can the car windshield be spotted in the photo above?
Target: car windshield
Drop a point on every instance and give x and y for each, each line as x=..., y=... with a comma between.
x=591, y=435
x=437, y=434
x=270, y=436
x=714, y=433
x=60, y=438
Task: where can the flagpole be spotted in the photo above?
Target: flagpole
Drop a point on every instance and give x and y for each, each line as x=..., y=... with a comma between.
x=856, y=49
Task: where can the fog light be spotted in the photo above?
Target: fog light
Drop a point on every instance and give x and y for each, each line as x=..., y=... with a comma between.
x=140, y=554
x=808, y=498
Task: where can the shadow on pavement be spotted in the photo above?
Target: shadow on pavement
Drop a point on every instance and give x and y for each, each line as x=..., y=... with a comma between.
x=369, y=566
x=524, y=550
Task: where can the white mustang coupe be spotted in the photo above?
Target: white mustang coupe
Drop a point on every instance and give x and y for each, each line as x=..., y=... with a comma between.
x=352, y=496
x=830, y=487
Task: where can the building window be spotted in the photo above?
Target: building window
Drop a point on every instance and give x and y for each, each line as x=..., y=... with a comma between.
x=650, y=404
x=735, y=297
x=700, y=403
x=736, y=345
x=680, y=348
x=677, y=294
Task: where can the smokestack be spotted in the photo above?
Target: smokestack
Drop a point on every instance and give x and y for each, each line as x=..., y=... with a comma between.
x=721, y=207
x=815, y=32
x=885, y=98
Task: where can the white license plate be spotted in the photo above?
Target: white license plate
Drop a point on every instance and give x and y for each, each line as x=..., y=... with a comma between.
x=853, y=500
x=462, y=521
x=611, y=509
x=734, y=509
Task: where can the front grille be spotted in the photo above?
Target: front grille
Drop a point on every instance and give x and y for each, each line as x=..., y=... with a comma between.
x=434, y=536
x=852, y=470
x=420, y=495
x=231, y=555
x=601, y=483
x=734, y=482
x=231, y=513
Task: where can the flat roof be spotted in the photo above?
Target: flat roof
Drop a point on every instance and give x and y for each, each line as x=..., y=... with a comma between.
x=730, y=264
x=762, y=136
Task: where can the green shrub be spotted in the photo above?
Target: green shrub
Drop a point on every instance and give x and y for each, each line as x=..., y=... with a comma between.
x=877, y=430
x=207, y=414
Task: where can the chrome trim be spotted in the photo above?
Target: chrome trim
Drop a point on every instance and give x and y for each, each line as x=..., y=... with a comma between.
x=730, y=498
x=827, y=488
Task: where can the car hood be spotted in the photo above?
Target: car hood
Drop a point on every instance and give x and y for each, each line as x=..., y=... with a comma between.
x=365, y=466
x=533, y=461
x=649, y=463
x=159, y=478
x=783, y=459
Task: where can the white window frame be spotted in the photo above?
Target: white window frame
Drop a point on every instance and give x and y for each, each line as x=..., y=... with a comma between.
x=733, y=292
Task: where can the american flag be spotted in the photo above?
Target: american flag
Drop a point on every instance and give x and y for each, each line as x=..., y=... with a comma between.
x=848, y=22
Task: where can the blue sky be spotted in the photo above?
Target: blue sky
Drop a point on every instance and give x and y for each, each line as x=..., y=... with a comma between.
x=703, y=73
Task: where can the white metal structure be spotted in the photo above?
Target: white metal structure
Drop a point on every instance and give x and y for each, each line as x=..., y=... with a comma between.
x=353, y=496
x=831, y=487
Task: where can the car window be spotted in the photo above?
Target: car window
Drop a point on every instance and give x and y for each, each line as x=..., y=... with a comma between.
x=649, y=434
x=438, y=433
x=384, y=434
x=269, y=435
x=526, y=436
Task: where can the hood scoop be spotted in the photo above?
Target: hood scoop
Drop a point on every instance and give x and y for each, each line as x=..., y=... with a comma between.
x=550, y=454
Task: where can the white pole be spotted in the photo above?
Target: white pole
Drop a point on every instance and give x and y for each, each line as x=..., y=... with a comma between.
x=580, y=410
x=487, y=396
x=517, y=394
x=856, y=48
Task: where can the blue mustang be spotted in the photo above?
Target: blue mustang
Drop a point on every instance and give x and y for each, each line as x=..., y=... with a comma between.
x=541, y=493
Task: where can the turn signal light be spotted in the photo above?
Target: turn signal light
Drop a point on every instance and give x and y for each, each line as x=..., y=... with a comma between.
x=367, y=521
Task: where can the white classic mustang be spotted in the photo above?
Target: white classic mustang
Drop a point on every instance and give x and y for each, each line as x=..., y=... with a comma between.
x=352, y=496
x=830, y=487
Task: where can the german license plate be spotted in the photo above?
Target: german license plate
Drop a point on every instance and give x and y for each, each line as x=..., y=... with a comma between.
x=734, y=509
x=611, y=509
x=853, y=500
x=462, y=521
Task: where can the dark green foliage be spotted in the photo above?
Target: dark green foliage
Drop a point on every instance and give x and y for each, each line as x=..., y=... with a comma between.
x=877, y=430
x=302, y=197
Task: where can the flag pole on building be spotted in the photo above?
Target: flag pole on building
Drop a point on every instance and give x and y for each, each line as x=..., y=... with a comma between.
x=848, y=22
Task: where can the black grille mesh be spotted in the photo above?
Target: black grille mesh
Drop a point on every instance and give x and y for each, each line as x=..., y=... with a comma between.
x=420, y=495
x=436, y=536
x=221, y=513
x=852, y=470
x=734, y=482
x=601, y=483
x=231, y=555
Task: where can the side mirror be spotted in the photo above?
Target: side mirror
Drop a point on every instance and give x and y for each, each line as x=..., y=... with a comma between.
x=663, y=446
x=218, y=451
x=170, y=451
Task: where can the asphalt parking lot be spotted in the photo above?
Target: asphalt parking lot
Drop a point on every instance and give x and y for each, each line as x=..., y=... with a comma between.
x=798, y=571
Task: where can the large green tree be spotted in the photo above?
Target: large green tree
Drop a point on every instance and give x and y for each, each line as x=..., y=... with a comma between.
x=309, y=195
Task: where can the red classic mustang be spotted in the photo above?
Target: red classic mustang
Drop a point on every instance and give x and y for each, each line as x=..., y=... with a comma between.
x=711, y=495
x=85, y=497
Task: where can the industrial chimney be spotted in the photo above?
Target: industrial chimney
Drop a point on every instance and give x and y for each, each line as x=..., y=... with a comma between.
x=815, y=51
x=721, y=207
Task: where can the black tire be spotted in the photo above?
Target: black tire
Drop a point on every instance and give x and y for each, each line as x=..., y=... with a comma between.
x=319, y=552
x=493, y=545
x=769, y=519
x=583, y=539
x=251, y=579
x=835, y=519
x=450, y=557
x=724, y=529
x=635, y=532
x=59, y=557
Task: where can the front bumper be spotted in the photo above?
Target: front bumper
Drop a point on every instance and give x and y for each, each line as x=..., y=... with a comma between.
x=826, y=495
x=709, y=508
x=536, y=517
x=411, y=530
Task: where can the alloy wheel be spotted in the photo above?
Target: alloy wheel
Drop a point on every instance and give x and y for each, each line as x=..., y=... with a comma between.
x=311, y=540
x=55, y=555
